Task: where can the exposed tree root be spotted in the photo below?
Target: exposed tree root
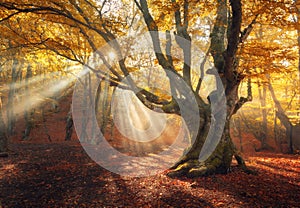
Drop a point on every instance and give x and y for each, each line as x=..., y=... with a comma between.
x=242, y=164
x=191, y=169
x=195, y=168
x=218, y=162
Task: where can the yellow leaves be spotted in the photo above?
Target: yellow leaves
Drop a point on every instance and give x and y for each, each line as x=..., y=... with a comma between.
x=163, y=13
x=270, y=48
x=132, y=69
x=159, y=92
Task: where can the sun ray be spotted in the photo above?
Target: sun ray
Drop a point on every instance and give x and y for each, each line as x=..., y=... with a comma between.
x=39, y=94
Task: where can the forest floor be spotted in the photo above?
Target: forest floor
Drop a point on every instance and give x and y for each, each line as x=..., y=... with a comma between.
x=58, y=173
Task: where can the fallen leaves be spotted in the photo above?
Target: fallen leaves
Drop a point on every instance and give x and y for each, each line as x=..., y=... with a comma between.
x=67, y=177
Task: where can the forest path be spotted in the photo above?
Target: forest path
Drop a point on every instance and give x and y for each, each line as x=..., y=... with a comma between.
x=39, y=173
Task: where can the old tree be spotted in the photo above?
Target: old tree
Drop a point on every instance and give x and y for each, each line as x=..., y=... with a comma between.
x=94, y=23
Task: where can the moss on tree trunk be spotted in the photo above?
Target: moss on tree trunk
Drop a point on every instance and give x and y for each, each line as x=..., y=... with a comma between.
x=218, y=162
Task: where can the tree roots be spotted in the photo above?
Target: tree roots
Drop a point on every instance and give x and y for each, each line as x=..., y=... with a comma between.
x=194, y=168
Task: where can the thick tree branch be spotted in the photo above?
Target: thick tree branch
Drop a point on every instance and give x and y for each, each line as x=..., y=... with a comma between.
x=181, y=31
x=107, y=35
x=152, y=26
x=201, y=76
x=111, y=68
x=54, y=11
x=168, y=48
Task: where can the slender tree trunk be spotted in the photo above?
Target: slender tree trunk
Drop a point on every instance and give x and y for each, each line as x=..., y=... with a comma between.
x=85, y=100
x=28, y=113
x=3, y=136
x=264, y=127
x=105, y=107
x=297, y=2
x=69, y=126
x=280, y=113
x=295, y=136
x=276, y=134
x=91, y=106
x=98, y=103
x=11, y=94
x=239, y=133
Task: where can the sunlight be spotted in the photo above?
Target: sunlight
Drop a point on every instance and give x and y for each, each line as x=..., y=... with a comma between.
x=38, y=78
x=134, y=120
x=112, y=55
x=41, y=90
x=23, y=83
x=138, y=118
x=8, y=169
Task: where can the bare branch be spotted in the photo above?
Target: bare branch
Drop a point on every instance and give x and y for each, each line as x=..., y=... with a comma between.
x=181, y=31
x=168, y=48
x=243, y=100
x=201, y=73
x=246, y=32
x=138, y=5
x=9, y=16
x=101, y=55
x=186, y=13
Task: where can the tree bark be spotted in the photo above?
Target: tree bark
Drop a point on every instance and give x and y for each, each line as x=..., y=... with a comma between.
x=264, y=133
x=297, y=3
x=28, y=113
x=193, y=163
x=69, y=126
x=218, y=162
x=11, y=94
x=280, y=113
x=3, y=136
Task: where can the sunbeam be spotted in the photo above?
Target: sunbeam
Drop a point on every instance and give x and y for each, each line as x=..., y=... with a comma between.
x=38, y=78
x=134, y=120
x=41, y=89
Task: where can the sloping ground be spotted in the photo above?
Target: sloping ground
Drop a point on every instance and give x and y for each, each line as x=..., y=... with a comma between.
x=62, y=175
x=40, y=173
x=52, y=130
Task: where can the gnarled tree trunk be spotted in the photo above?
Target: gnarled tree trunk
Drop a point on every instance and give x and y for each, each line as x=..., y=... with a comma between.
x=196, y=161
x=218, y=162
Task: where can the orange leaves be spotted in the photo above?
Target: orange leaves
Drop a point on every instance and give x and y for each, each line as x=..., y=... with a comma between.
x=70, y=178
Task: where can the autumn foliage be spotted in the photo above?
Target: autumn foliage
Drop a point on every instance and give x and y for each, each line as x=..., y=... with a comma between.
x=245, y=54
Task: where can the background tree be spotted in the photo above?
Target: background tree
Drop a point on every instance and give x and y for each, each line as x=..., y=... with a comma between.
x=93, y=24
